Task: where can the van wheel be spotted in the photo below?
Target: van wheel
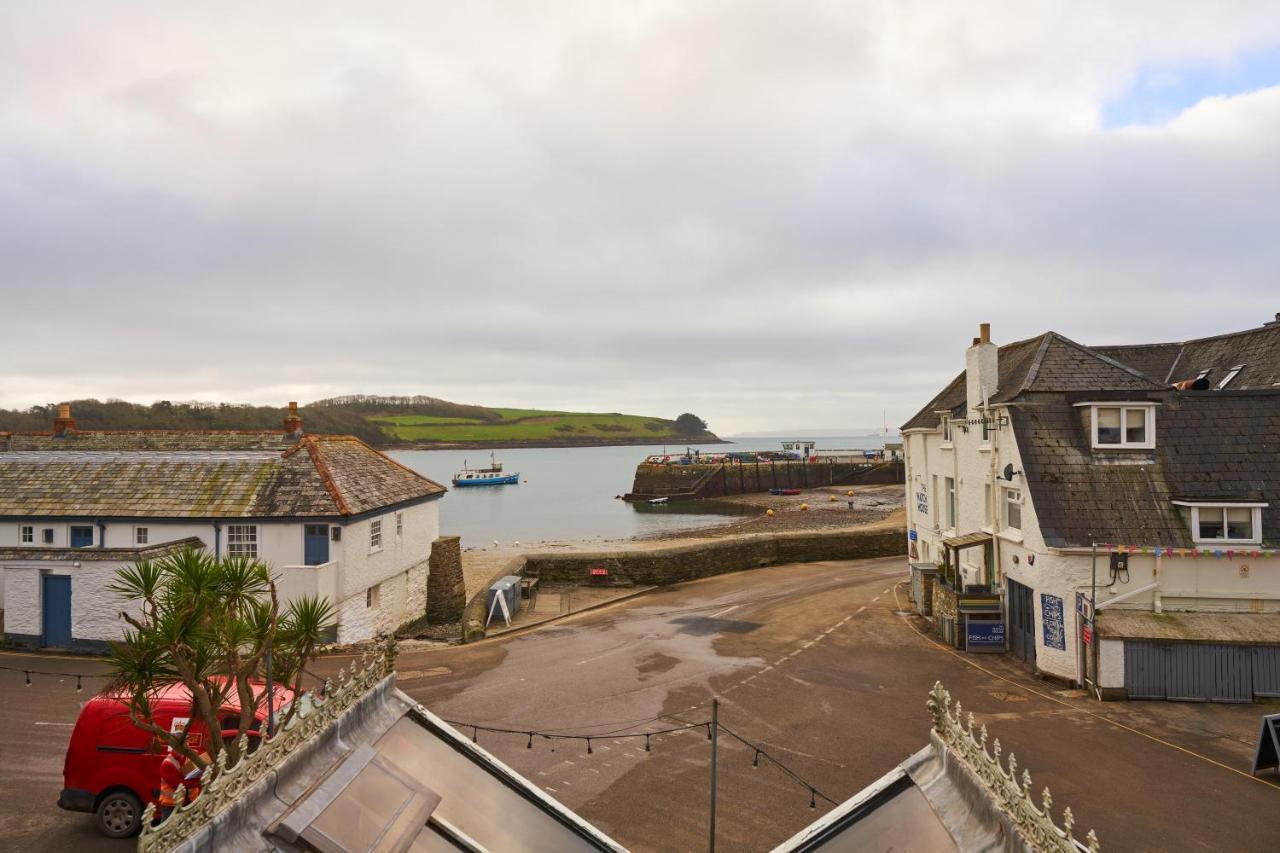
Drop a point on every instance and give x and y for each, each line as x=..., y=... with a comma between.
x=119, y=814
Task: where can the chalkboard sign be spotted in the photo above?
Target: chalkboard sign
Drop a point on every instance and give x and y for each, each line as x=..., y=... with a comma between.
x=1055, y=636
x=984, y=635
x=1267, y=755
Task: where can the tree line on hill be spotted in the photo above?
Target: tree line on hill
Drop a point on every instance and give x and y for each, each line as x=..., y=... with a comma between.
x=348, y=415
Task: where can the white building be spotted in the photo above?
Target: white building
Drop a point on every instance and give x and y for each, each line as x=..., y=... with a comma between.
x=1166, y=456
x=329, y=514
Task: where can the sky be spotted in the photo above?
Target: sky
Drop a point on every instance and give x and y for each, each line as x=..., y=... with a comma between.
x=773, y=214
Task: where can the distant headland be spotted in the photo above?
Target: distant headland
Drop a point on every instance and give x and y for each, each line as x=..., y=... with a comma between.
x=387, y=422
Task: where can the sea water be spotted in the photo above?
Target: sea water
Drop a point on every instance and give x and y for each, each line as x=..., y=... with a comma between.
x=571, y=492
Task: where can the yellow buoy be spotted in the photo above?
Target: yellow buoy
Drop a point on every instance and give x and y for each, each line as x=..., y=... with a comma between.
x=804, y=506
x=769, y=513
x=849, y=493
x=832, y=499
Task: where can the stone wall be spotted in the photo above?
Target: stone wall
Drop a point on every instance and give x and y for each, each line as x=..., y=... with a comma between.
x=663, y=566
x=712, y=481
x=446, y=587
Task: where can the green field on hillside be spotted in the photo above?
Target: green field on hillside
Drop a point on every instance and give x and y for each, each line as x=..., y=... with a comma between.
x=528, y=425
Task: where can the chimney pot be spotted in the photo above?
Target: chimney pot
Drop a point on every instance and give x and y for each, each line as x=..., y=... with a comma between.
x=984, y=333
x=292, y=422
x=977, y=341
x=63, y=423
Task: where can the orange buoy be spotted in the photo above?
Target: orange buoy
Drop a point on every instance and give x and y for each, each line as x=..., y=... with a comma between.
x=849, y=493
x=804, y=506
x=769, y=513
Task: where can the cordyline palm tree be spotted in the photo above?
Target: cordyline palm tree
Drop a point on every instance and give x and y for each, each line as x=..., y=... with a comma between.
x=207, y=622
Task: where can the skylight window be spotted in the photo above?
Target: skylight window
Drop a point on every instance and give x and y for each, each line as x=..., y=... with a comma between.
x=1231, y=374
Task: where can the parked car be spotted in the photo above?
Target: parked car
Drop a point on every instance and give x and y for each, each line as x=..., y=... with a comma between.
x=112, y=768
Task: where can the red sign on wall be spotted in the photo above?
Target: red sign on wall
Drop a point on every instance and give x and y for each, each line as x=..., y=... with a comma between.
x=1087, y=633
x=599, y=573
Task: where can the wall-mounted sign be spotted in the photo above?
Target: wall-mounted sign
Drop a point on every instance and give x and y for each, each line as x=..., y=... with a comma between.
x=911, y=534
x=984, y=635
x=1087, y=634
x=1055, y=636
x=922, y=502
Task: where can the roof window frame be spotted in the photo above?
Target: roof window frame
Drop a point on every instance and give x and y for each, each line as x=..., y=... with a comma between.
x=1222, y=506
x=1148, y=407
x=1232, y=373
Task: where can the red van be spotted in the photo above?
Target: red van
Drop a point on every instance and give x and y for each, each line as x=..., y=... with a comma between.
x=112, y=768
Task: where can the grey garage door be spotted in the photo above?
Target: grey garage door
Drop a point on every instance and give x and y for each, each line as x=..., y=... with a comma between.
x=1194, y=672
x=1266, y=671
x=1146, y=669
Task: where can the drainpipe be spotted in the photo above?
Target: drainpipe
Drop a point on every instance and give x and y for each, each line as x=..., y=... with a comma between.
x=102, y=534
x=217, y=539
x=1156, y=604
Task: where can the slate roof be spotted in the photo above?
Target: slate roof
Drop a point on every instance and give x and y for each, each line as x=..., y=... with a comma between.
x=177, y=474
x=1049, y=362
x=154, y=439
x=1210, y=446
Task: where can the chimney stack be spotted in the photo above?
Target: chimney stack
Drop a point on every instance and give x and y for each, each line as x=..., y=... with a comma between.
x=293, y=423
x=63, y=423
x=981, y=369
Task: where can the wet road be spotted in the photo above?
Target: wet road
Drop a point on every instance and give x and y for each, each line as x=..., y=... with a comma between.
x=815, y=661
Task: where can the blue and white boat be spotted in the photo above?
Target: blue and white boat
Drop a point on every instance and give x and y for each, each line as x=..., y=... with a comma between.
x=491, y=476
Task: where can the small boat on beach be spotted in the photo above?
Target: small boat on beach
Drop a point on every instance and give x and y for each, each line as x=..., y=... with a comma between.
x=658, y=500
x=490, y=476
x=784, y=491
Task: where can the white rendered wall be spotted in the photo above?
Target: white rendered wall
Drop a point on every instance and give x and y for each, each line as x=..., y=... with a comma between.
x=1111, y=664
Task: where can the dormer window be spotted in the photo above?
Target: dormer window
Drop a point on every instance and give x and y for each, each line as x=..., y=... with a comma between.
x=1231, y=374
x=1123, y=426
x=1233, y=523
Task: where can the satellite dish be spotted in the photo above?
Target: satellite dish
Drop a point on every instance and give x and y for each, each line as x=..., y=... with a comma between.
x=1008, y=472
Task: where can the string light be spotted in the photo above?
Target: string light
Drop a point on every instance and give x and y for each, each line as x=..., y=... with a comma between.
x=758, y=751
x=61, y=676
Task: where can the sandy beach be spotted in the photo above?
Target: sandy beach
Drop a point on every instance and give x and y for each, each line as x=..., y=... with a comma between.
x=829, y=508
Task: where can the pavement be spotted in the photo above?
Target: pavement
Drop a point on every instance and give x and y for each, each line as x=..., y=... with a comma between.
x=818, y=663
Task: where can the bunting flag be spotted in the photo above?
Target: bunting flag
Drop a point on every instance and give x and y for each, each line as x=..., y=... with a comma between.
x=1192, y=553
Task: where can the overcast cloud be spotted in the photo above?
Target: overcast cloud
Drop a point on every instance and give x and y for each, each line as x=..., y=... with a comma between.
x=772, y=214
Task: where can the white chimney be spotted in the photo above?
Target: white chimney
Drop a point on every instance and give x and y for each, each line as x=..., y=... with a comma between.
x=981, y=369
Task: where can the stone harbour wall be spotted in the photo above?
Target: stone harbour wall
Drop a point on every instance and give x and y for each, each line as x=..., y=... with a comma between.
x=663, y=566
x=446, y=587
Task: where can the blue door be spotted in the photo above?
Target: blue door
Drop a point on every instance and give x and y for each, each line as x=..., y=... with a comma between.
x=81, y=536
x=315, y=544
x=57, y=610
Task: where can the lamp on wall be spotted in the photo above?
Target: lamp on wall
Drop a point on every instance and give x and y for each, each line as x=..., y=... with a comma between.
x=1008, y=472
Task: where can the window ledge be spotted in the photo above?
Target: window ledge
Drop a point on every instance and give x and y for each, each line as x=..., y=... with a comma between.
x=1211, y=543
x=377, y=550
x=947, y=445
x=984, y=448
x=1011, y=536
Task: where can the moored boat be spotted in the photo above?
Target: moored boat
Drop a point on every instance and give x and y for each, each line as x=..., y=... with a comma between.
x=490, y=476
